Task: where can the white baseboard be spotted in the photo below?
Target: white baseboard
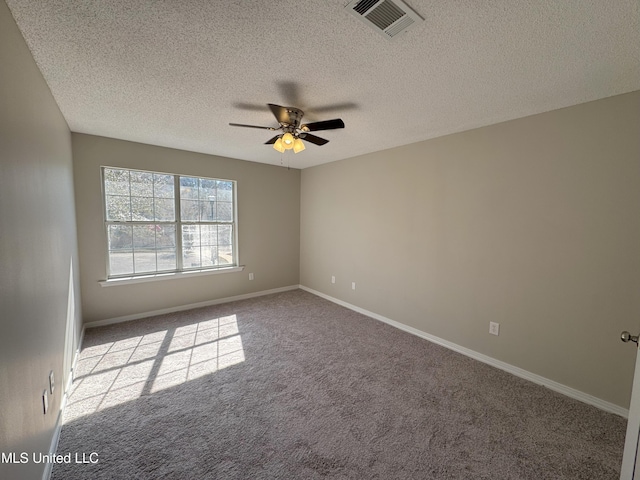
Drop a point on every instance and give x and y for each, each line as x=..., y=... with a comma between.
x=136, y=316
x=519, y=372
x=48, y=466
x=46, y=475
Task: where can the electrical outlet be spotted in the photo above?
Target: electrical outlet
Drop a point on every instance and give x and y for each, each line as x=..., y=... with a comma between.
x=353, y=285
x=52, y=382
x=333, y=279
x=494, y=328
x=251, y=276
x=45, y=402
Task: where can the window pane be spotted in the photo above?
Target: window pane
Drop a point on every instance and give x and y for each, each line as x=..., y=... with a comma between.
x=208, y=234
x=163, y=186
x=225, y=212
x=225, y=255
x=209, y=255
x=120, y=252
x=141, y=209
x=120, y=237
x=191, y=246
x=208, y=245
x=195, y=235
x=191, y=259
x=166, y=247
x=144, y=244
x=189, y=188
x=207, y=189
x=188, y=234
x=118, y=208
x=166, y=236
x=121, y=262
x=165, y=209
x=208, y=211
x=144, y=237
x=116, y=181
x=224, y=191
x=141, y=184
x=144, y=261
x=225, y=235
x=166, y=259
x=189, y=211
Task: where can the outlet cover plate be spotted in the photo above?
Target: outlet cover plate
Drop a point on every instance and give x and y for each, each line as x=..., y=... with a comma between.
x=494, y=328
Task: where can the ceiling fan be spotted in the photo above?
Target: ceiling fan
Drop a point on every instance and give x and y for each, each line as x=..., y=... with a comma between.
x=290, y=119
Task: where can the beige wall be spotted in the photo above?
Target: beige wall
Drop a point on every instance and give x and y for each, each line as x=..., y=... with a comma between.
x=532, y=223
x=39, y=309
x=268, y=227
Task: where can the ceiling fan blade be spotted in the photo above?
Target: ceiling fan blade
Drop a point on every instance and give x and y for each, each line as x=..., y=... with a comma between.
x=281, y=113
x=252, y=126
x=313, y=139
x=271, y=141
x=324, y=125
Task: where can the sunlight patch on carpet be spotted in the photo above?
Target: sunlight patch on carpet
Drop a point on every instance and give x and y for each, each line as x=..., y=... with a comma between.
x=113, y=373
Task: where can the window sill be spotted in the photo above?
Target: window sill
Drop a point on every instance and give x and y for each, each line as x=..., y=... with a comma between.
x=168, y=276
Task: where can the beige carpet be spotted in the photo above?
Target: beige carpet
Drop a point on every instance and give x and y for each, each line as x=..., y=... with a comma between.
x=290, y=386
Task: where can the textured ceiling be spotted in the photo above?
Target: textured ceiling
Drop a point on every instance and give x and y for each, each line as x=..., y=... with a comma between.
x=175, y=73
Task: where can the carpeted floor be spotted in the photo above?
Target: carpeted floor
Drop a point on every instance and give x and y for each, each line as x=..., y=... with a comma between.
x=291, y=386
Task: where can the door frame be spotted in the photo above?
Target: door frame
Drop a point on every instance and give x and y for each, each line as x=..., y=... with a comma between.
x=630, y=455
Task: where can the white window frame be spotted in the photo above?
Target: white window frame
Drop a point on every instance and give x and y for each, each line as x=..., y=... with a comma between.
x=178, y=223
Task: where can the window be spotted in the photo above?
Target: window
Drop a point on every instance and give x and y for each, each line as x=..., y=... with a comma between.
x=158, y=223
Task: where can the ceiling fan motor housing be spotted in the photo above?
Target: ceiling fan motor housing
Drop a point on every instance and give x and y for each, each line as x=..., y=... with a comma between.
x=295, y=115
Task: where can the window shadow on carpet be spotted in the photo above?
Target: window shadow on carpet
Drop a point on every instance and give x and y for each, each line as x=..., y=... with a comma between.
x=115, y=372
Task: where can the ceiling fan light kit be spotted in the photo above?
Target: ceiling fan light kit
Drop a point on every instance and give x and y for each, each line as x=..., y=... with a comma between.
x=298, y=145
x=288, y=142
x=287, y=139
x=278, y=145
x=290, y=119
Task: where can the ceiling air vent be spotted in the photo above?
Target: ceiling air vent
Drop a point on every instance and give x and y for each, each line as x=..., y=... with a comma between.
x=390, y=18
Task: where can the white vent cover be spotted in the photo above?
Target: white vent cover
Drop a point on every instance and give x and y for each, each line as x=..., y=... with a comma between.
x=388, y=17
